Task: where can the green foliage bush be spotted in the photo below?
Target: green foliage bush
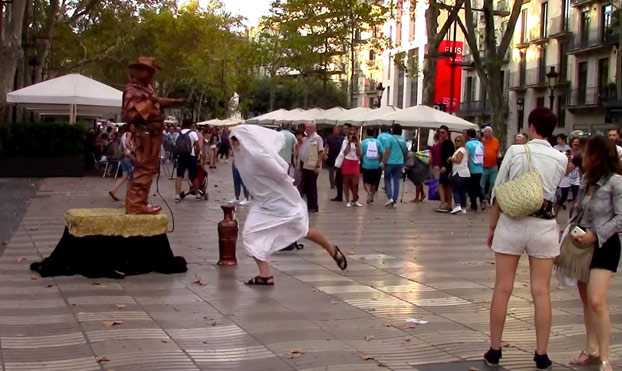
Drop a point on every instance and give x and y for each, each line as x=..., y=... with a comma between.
x=48, y=139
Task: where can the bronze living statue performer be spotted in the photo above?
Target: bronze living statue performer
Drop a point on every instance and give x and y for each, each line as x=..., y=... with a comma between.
x=143, y=108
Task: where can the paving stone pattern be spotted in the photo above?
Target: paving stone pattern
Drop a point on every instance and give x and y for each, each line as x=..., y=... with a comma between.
x=407, y=262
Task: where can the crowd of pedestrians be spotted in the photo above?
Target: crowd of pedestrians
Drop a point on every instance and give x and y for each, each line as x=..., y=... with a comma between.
x=579, y=173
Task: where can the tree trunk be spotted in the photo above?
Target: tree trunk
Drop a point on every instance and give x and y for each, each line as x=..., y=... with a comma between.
x=619, y=58
x=11, y=51
x=431, y=57
x=496, y=96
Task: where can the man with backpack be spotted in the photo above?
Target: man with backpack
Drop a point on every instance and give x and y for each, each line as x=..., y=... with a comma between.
x=393, y=162
x=372, y=151
x=187, y=149
x=475, y=149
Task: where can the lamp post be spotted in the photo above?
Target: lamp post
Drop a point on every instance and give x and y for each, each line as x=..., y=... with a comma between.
x=379, y=93
x=520, y=107
x=552, y=75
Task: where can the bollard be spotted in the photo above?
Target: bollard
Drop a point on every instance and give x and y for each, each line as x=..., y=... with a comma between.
x=227, y=237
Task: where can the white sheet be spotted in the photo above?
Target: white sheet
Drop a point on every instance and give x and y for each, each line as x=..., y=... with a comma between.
x=278, y=217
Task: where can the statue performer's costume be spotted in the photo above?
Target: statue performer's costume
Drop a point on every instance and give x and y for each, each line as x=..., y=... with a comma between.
x=143, y=108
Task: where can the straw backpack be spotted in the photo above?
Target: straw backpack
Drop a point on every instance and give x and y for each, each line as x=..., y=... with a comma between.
x=523, y=195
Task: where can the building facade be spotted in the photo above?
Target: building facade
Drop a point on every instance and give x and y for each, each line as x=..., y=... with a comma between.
x=575, y=40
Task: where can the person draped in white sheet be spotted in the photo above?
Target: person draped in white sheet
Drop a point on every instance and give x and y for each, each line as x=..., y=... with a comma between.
x=279, y=215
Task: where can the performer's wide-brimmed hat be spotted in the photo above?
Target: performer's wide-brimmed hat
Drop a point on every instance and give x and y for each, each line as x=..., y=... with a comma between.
x=146, y=62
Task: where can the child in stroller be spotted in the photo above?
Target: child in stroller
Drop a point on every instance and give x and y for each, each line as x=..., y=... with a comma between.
x=201, y=182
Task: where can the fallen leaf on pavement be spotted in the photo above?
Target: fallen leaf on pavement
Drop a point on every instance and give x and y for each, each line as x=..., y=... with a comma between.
x=408, y=339
x=367, y=358
x=5, y=243
x=112, y=323
x=474, y=369
x=164, y=341
x=33, y=229
x=197, y=280
x=369, y=338
x=208, y=318
x=33, y=278
x=314, y=290
x=121, y=306
x=49, y=285
x=215, y=323
x=380, y=364
x=101, y=359
x=387, y=325
x=298, y=351
x=20, y=260
x=505, y=344
x=333, y=302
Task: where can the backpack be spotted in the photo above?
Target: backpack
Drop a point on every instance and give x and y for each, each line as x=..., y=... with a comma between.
x=372, y=150
x=183, y=144
x=478, y=156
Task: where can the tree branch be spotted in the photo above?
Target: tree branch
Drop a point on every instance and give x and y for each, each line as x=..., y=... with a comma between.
x=509, y=30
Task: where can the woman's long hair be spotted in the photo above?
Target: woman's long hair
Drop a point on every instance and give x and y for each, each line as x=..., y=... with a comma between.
x=600, y=159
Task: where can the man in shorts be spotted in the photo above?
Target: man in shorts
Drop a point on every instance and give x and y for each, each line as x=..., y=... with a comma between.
x=187, y=161
x=444, y=181
x=372, y=151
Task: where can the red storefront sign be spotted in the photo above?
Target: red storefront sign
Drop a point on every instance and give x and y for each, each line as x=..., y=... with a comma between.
x=443, y=82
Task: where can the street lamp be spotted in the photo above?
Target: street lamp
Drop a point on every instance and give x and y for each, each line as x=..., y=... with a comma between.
x=520, y=107
x=552, y=75
x=379, y=93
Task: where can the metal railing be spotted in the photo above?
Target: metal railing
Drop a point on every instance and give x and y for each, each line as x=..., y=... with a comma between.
x=478, y=107
x=590, y=96
x=532, y=77
x=558, y=25
x=593, y=37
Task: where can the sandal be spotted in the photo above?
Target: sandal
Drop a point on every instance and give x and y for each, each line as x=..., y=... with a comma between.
x=606, y=366
x=260, y=281
x=340, y=259
x=590, y=358
x=114, y=197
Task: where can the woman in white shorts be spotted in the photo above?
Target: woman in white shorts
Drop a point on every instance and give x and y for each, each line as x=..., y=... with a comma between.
x=536, y=235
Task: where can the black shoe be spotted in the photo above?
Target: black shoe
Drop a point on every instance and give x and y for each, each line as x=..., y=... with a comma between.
x=492, y=357
x=542, y=361
x=337, y=199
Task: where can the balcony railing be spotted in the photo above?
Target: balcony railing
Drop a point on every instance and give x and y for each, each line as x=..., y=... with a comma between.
x=478, y=108
x=593, y=38
x=581, y=2
x=558, y=26
x=588, y=97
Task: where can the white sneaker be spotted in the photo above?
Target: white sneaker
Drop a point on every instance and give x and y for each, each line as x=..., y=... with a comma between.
x=464, y=211
x=456, y=210
x=244, y=202
x=234, y=201
x=395, y=205
x=389, y=203
x=226, y=161
x=199, y=196
x=177, y=199
x=348, y=204
x=357, y=204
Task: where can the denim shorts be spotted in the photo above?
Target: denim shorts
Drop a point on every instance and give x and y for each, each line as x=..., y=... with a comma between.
x=127, y=167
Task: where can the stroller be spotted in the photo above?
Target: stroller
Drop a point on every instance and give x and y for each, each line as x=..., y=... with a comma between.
x=202, y=183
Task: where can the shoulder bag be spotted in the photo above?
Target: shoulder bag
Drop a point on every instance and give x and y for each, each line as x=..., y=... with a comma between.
x=523, y=195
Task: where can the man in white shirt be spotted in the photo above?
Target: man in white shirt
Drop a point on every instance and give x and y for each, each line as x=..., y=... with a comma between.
x=614, y=136
x=187, y=148
x=310, y=156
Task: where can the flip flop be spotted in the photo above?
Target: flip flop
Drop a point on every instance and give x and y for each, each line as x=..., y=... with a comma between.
x=340, y=259
x=592, y=358
x=260, y=281
x=113, y=196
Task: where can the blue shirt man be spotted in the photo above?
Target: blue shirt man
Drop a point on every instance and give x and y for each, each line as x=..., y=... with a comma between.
x=393, y=160
x=475, y=148
x=371, y=163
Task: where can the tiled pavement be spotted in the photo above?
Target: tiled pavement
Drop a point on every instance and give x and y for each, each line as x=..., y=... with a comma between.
x=407, y=262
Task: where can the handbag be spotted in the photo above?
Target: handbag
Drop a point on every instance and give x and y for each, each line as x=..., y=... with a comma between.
x=574, y=259
x=339, y=159
x=523, y=195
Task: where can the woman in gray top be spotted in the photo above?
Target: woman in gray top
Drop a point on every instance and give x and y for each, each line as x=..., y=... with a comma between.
x=598, y=212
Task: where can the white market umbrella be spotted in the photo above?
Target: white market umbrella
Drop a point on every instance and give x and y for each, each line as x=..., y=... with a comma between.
x=301, y=116
x=266, y=118
x=69, y=95
x=228, y=122
x=347, y=116
x=326, y=116
x=427, y=117
x=375, y=116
